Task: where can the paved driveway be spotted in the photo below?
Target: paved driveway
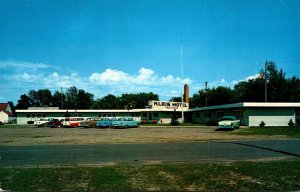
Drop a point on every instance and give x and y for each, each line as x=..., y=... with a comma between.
x=101, y=154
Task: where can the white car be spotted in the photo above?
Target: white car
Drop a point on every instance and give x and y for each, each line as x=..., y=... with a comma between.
x=41, y=122
x=228, y=122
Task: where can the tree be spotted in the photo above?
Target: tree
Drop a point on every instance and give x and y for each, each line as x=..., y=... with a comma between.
x=215, y=96
x=24, y=102
x=40, y=98
x=78, y=98
x=107, y=102
x=175, y=99
x=139, y=100
x=58, y=98
x=276, y=83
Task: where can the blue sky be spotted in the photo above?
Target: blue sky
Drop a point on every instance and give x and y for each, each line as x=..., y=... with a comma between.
x=129, y=46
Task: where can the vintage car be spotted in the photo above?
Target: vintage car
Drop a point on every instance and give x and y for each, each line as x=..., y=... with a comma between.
x=41, y=122
x=54, y=123
x=89, y=122
x=105, y=122
x=125, y=122
x=72, y=121
x=228, y=122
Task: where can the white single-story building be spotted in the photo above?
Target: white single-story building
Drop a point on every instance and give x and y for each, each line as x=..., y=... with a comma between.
x=157, y=112
x=250, y=113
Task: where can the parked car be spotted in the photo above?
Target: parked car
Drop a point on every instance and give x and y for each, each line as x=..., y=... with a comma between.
x=125, y=122
x=105, y=122
x=89, y=122
x=72, y=121
x=228, y=122
x=54, y=123
x=41, y=122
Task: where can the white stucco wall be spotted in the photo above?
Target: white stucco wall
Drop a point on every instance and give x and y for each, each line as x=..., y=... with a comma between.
x=3, y=117
x=271, y=116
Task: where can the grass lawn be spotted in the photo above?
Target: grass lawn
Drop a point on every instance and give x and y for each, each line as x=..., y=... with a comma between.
x=240, y=176
x=293, y=132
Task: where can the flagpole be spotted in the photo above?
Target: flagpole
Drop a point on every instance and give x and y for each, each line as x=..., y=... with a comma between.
x=182, y=115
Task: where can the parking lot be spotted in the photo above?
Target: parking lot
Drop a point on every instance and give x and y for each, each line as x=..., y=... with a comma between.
x=30, y=146
x=30, y=135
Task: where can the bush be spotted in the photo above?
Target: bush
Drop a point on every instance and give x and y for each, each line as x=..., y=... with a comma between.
x=262, y=124
x=291, y=123
x=174, y=122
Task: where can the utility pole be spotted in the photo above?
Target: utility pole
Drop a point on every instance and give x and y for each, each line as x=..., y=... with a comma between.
x=206, y=93
x=182, y=115
x=266, y=81
x=62, y=98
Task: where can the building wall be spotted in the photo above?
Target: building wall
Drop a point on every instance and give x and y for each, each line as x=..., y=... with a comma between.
x=160, y=117
x=3, y=117
x=271, y=116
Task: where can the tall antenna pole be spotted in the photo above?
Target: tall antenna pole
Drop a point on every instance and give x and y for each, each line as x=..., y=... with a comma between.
x=182, y=115
x=62, y=98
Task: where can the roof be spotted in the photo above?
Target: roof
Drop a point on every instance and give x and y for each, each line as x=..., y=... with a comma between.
x=3, y=106
x=248, y=105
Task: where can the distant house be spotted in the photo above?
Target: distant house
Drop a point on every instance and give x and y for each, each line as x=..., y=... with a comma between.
x=6, y=114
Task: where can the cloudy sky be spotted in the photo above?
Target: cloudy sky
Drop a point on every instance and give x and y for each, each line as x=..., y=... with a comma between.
x=129, y=46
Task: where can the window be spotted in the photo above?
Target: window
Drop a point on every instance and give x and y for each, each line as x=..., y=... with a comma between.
x=28, y=115
x=80, y=115
x=104, y=115
x=198, y=114
x=33, y=115
x=144, y=114
x=39, y=115
x=114, y=115
x=109, y=115
x=155, y=115
x=44, y=115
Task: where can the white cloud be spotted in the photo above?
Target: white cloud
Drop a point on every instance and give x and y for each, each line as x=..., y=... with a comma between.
x=5, y=64
x=110, y=81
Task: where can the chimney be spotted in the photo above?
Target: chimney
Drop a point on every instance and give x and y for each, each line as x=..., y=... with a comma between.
x=186, y=93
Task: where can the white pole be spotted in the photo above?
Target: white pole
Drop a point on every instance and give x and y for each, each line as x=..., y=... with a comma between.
x=182, y=115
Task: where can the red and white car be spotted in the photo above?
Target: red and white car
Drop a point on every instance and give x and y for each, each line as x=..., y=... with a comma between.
x=72, y=121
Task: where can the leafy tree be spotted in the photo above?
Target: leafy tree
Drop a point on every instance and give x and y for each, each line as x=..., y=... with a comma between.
x=175, y=99
x=40, y=98
x=78, y=99
x=58, y=98
x=215, y=96
x=276, y=83
x=24, y=102
x=140, y=100
x=251, y=91
x=107, y=102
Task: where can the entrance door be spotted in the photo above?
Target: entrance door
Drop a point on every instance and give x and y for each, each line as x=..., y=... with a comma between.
x=150, y=116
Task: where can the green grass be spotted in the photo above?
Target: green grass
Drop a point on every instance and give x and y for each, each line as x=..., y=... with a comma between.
x=293, y=132
x=239, y=176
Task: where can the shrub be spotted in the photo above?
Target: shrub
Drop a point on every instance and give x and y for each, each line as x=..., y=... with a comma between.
x=291, y=123
x=262, y=124
x=174, y=120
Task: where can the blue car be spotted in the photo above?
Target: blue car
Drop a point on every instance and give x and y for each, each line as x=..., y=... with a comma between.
x=125, y=122
x=105, y=122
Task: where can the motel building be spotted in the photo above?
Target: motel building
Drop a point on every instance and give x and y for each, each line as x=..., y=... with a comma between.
x=156, y=112
x=250, y=113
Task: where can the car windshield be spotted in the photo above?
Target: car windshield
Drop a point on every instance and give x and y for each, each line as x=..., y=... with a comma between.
x=227, y=118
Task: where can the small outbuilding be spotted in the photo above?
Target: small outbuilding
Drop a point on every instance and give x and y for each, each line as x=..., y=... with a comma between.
x=250, y=113
x=6, y=114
